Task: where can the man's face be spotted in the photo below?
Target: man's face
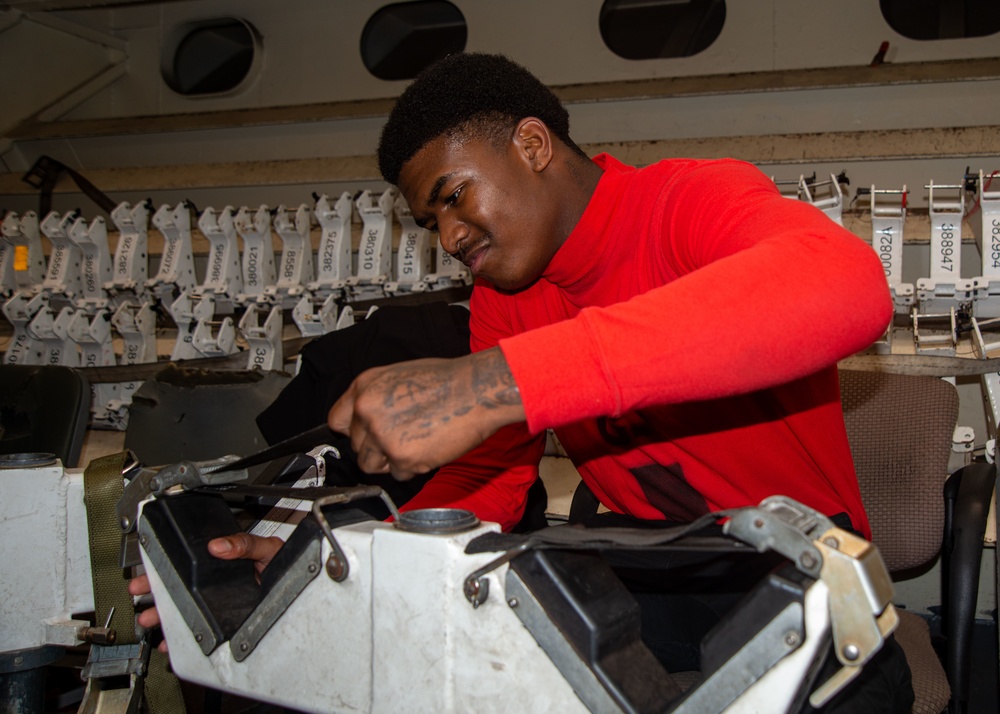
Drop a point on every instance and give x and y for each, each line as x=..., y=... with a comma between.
x=488, y=206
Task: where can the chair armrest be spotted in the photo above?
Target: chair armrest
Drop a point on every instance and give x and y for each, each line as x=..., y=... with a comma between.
x=967, y=494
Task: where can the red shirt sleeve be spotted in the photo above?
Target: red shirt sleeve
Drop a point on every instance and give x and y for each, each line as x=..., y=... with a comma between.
x=769, y=290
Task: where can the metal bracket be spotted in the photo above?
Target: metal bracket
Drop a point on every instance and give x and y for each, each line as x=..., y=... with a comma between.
x=92, y=242
x=888, y=215
x=130, y=265
x=375, y=251
x=27, y=267
x=295, y=269
x=258, y=252
x=414, y=257
x=302, y=572
x=263, y=340
x=223, y=276
x=944, y=288
x=176, y=272
x=333, y=259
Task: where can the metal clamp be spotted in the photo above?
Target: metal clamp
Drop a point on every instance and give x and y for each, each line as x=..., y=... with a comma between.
x=145, y=481
x=848, y=564
x=852, y=565
x=337, y=566
x=784, y=526
x=476, y=587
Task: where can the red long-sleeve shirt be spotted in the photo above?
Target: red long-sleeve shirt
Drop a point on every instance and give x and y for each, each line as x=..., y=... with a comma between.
x=682, y=343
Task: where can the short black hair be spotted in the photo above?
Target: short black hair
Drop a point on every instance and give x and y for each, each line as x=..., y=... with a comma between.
x=483, y=93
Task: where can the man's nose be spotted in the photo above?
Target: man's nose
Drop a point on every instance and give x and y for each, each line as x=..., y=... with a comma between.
x=452, y=233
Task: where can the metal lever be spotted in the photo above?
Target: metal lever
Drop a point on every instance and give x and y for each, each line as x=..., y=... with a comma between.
x=337, y=566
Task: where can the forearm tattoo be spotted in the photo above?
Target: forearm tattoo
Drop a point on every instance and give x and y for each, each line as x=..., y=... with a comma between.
x=419, y=401
x=492, y=383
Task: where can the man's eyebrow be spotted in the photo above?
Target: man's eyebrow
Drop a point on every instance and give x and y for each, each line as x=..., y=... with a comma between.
x=435, y=192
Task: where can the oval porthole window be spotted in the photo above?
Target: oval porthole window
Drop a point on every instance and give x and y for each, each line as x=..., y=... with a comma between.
x=937, y=20
x=401, y=39
x=209, y=56
x=659, y=29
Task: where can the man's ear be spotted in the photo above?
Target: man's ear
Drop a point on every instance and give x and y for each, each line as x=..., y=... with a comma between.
x=534, y=143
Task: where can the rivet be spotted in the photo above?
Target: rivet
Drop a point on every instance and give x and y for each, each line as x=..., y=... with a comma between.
x=850, y=652
x=244, y=647
x=512, y=602
x=808, y=560
x=198, y=637
x=832, y=542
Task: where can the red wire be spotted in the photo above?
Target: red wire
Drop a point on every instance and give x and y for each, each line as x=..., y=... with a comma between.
x=986, y=187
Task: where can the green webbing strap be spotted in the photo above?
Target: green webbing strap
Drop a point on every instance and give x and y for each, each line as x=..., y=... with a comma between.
x=102, y=487
x=162, y=688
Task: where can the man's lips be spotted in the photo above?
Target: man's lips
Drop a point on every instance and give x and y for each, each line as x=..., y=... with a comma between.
x=473, y=256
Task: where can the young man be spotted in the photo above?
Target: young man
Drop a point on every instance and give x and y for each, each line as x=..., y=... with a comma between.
x=677, y=325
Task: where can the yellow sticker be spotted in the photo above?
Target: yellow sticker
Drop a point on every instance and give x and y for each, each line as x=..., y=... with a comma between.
x=20, y=257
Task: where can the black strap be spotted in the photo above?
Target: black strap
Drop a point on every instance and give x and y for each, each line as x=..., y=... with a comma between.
x=700, y=534
x=45, y=174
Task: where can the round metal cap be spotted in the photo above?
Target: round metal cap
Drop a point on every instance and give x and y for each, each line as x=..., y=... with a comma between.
x=27, y=461
x=437, y=521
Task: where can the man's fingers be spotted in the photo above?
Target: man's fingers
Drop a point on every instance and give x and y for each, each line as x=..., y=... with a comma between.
x=401, y=475
x=148, y=618
x=372, y=459
x=139, y=585
x=244, y=545
x=341, y=413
